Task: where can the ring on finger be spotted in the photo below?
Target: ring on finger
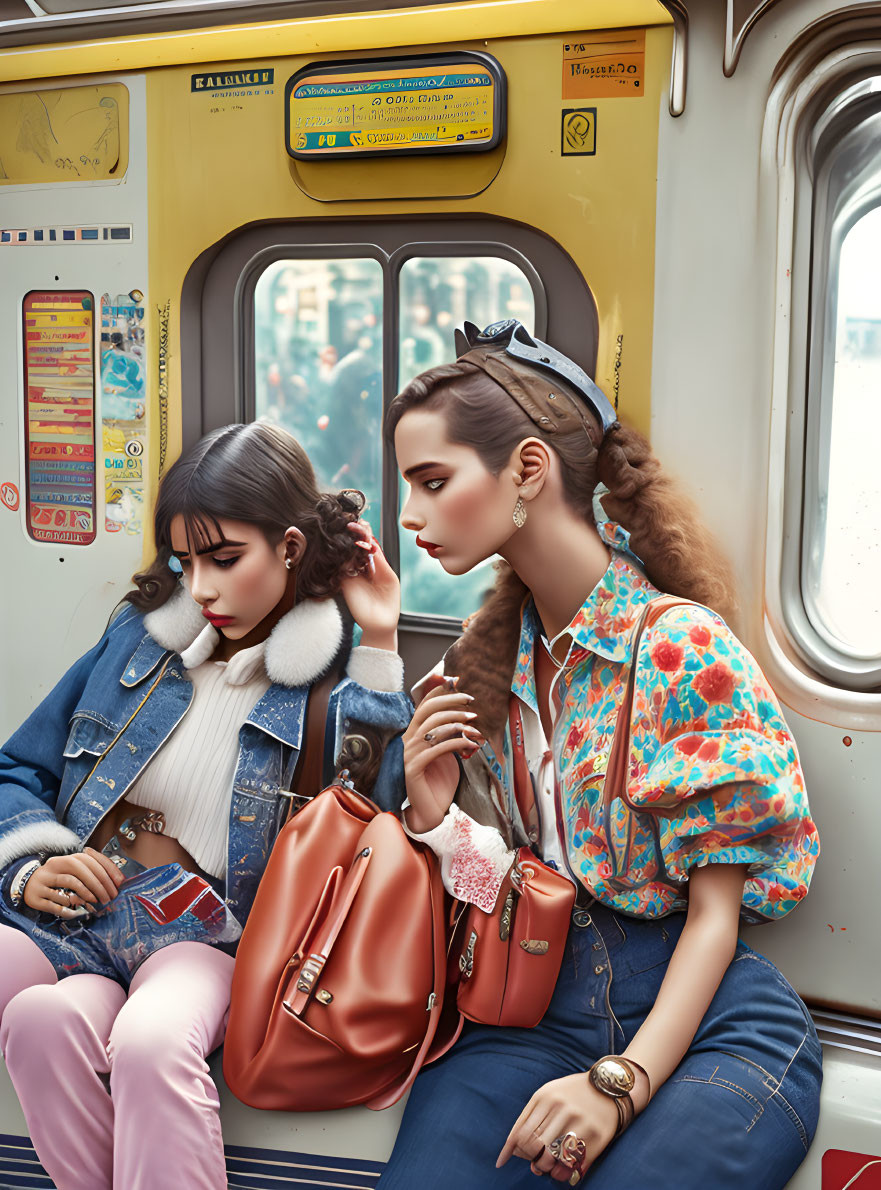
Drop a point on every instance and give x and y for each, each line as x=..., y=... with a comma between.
x=428, y=737
x=568, y=1149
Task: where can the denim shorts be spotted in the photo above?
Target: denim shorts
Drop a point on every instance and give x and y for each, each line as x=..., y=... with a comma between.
x=151, y=910
x=740, y=1109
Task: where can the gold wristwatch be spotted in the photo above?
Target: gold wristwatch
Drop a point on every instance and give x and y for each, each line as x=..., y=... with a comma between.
x=615, y=1076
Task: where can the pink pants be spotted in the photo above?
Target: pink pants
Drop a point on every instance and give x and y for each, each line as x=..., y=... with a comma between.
x=114, y=1087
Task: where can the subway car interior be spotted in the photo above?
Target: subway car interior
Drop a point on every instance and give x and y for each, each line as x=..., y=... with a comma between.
x=682, y=195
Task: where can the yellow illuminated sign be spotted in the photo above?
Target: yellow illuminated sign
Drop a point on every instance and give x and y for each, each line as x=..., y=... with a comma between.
x=440, y=103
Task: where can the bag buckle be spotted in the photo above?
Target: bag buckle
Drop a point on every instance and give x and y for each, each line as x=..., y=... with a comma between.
x=309, y=973
x=507, y=916
x=466, y=958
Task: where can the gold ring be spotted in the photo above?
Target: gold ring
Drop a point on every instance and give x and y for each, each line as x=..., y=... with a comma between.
x=569, y=1150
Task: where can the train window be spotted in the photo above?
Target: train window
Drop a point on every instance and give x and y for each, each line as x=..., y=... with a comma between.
x=318, y=329
x=832, y=540
x=435, y=295
x=844, y=551
x=317, y=325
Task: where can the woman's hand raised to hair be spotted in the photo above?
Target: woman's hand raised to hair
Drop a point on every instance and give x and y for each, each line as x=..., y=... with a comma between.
x=373, y=596
x=442, y=726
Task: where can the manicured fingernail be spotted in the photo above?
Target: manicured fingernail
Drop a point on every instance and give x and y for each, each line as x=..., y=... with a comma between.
x=365, y=545
x=469, y=714
x=451, y=683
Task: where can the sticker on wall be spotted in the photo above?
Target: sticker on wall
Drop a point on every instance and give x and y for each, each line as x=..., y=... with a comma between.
x=123, y=409
x=59, y=382
x=9, y=496
x=234, y=84
x=578, y=132
x=607, y=64
x=91, y=233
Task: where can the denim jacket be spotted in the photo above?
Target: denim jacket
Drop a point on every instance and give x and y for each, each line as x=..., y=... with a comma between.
x=52, y=795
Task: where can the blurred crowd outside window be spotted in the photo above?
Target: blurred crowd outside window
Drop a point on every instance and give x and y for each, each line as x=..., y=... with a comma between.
x=318, y=370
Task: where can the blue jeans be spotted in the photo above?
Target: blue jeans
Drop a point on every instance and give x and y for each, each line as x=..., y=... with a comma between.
x=739, y=1111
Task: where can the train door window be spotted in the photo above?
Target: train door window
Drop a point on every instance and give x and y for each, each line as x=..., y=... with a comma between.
x=436, y=294
x=318, y=327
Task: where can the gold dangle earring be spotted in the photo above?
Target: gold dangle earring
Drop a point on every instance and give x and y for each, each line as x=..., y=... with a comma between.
x=519, y=513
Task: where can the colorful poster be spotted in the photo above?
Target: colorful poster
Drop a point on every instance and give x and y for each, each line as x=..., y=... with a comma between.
x=59, y=381
x=123, y=406
x=451, y=103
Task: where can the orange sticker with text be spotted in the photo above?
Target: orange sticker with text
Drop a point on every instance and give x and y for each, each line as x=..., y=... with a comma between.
x=607, y=64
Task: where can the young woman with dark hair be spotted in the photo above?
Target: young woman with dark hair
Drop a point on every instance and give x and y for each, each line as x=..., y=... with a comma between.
x=672, y=1055
x=187, y=717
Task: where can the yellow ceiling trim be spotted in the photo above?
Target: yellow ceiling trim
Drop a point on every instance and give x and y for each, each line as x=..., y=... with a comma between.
x=443, y=23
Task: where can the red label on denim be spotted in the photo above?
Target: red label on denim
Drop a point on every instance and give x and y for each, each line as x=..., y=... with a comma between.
x=856, y=1171
x=172, y=906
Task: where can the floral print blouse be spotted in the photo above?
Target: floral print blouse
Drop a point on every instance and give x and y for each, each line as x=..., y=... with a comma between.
x=714, y=772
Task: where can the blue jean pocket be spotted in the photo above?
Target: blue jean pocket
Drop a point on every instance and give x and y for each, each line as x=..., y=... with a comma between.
x=157, y=908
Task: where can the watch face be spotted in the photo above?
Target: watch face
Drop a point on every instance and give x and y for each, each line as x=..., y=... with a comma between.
x=612, y=1077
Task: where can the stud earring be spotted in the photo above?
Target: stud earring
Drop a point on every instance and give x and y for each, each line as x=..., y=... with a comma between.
x=289, y=563
x=519, y=513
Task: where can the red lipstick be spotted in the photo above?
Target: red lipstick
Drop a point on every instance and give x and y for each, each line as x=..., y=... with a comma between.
x=429, y=546
x=217, y=621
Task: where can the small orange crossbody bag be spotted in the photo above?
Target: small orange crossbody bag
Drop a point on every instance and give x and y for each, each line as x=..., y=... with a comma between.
x=508, y=960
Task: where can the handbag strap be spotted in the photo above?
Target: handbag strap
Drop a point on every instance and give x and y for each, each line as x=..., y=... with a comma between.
x=524, y=791
x=615, y=784
x=306, y=781
x=435, y=1006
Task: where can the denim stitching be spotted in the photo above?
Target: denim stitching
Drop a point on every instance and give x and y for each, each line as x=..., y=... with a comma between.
x=722, y=1082
x=790, y=1110
x=774, y=1086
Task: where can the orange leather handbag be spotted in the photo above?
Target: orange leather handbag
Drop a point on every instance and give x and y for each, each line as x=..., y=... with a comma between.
x=508, y=960
x=340, y=974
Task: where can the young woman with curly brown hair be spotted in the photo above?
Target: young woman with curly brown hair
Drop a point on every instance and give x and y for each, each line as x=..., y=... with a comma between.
x=188, y=716
x=671, y=1055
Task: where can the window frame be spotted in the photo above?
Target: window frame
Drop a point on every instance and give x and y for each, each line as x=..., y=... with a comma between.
x=832, y=200
x=218, y=303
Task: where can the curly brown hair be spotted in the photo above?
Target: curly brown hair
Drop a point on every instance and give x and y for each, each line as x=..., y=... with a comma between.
x=678, y=552
x=257, y=473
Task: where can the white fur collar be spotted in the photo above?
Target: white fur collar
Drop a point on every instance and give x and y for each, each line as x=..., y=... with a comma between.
x=300, y=647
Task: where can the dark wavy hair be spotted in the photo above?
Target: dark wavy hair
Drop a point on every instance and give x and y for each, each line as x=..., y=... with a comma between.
x=258, y=473
x=679, y=553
